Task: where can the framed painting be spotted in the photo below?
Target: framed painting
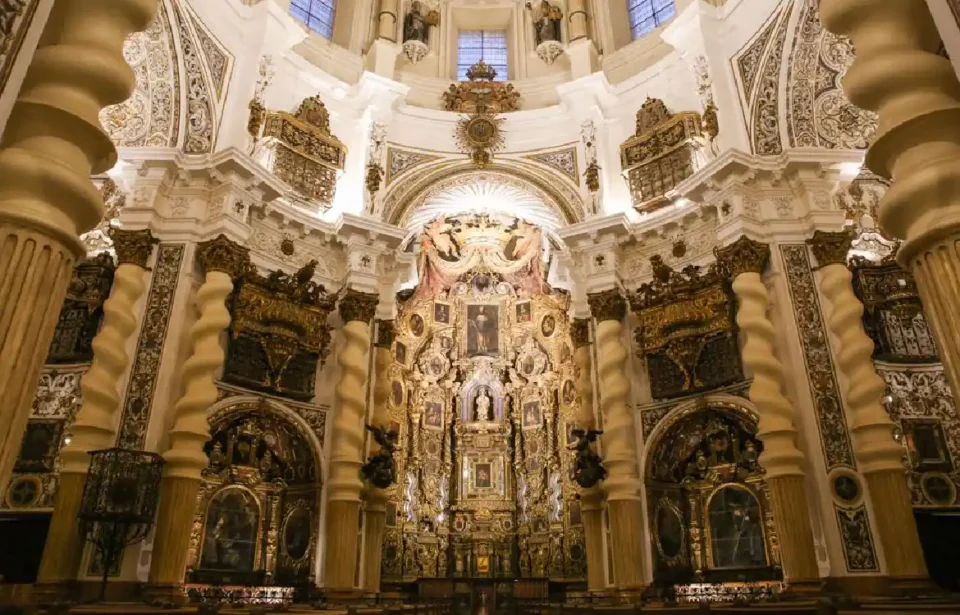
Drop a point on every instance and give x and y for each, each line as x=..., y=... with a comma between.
x=433, y=414
x=484, y=476
x=441, y=313
x=482, y=330
x=531, y=414
x=524, y=312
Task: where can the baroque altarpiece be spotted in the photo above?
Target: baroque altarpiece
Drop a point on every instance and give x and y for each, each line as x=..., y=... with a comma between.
x=482, y=394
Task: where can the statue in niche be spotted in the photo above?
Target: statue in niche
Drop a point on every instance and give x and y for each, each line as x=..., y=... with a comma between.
x=415, y=26
x=483, y=409
x=546, y=22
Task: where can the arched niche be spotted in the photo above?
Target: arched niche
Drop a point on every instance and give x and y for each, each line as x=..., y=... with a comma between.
x=709, y=511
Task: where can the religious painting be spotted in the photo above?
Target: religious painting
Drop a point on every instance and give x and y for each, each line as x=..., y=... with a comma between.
x=576, y=516
x=548, y=325
x=433, y=415
x=296, y=534
x=483, y=323
x=531, y=413
x=529, y=365
x=483, y=564
x=401, y=353
x=483, y=476
x=396, y=393
x=416, y=325
x=736, y=530
x=40, y=446
x=231, y=532
x=569, y=394
x=565, y=353
x=927, y=444
x=571, y=437
x=435, y=367
x=523, y=312
x=441, y=313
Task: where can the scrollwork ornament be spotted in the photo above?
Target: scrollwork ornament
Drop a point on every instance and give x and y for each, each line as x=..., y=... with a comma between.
x=386, y=333
x=356, y=306
x=133, y=247
x=580, y=332
x=608, y=305
x=221, y=254
x=831, y=248
x=744, y=255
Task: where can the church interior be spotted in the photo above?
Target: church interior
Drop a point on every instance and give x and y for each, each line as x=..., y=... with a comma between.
x=479, y=306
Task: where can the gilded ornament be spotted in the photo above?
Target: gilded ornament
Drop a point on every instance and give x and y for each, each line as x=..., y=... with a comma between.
x=481, y=91
x=592, y=176
x=133, y=247
x=221, y=254
x=743, y=256
x=580, y=332
x=831, y=248
x=374, y=177
x=608, y=305
x=356, y=306
x=386, y=334
x=480, y=135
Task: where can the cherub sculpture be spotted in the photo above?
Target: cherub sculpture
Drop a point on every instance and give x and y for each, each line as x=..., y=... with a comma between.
x=588, y=469
x=380, y=469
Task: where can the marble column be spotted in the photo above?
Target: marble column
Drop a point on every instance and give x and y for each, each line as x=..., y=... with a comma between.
x=783, y=462
x=879, y=456
x=52, y=144
x=222, y=261
x=375, y=500
x=344, y=485
x=95, y=427
x=591, y=500
x=899, y=74
x=622, y=485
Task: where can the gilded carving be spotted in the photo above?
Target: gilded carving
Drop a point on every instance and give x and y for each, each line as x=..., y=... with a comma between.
x=743, y=256
x=201, y=119
x=580, y=332
x=385, y=334
x=831, y=248
x=481, y=91
x=608, y=305
x=224, y=255
x=357, y=306
x=133, y=247
x=82, y=311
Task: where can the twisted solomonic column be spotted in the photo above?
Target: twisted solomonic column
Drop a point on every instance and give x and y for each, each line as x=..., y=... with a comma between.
x=375, y=500
x=223, y=261
x=591, y=500
x=344, y=485
x=95, y=427
x=899, y=74
x=879, y=455
x=52, y=144
x=622, y=485
x=745, y=260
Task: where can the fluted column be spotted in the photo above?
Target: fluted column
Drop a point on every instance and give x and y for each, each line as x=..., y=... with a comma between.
x=375, y=500
x=52, y=144
x=783, y=462
x=622, y=485
x=577, y=17
x=95, y=427
x=899, y=74
x=344, y=485
x=387, y=20
x=223, y=261
x=880, y=457
x=591, y=500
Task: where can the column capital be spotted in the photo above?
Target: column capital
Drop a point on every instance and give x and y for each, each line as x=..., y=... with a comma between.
x=133, y=247
x=831, y=248
x=608, y=305
x=385, y=333
x=744, y=255
x=221, y=254
x=580, y=332
x=357, y=306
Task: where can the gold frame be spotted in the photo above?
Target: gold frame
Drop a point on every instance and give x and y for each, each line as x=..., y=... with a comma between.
x=258, y=549
x=708, y=524
x=465, y=330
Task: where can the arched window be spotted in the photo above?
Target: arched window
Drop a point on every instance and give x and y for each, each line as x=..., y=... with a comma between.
x=487, y=45
x=646, y=15
x=317, y=14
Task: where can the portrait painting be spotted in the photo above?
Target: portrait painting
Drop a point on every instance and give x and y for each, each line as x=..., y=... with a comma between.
x=569, y=392
x=548, y=325
x=531, y=414
x=433, y=414
x=441, y=313
x=483, y=476
x=523, y=312
x=401, y=353
x=416, y=325
x=396, y=393
x=483, y=324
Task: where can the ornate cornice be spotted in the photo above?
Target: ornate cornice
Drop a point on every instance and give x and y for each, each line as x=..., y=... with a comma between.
x=221, y=254
x=831, y=248
x=357, y=306
x=580, y=332
x=608, y=305
x=744, y=256
x=133, y=247
x=385, y=334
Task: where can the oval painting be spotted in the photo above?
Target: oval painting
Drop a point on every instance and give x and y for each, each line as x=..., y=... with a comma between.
x=548, y=325
x=396, y=393
x=416, y=325
x=296, y=534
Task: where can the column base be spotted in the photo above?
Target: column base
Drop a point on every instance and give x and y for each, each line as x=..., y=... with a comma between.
x=897, y=526
x=63, y=551
x=56, y=592
x=788, y=498
x=334, y=598
x=341, y=550
x=165, y=595
x=627, y=538
x=171, y=542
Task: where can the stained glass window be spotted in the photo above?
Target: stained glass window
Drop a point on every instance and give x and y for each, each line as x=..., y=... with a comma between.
x=487, y=45
x=316, y=14
x=645, y=15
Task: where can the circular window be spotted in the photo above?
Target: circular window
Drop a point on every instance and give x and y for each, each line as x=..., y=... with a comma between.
x=296, y=534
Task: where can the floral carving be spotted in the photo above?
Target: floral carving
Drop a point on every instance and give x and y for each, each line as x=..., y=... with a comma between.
x=766, y=107
x=357, y=306
x=831, y=248
x=201, y=115
x=608, y=305
x=744, y=256
x=221, y=254
x=133, y=247
x=15, y=19
x=858, y=549
x=564, y=160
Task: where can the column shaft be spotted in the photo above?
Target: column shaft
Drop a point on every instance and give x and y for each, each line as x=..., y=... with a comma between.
x=387, y=20
x=53, y=142
x=577, y=19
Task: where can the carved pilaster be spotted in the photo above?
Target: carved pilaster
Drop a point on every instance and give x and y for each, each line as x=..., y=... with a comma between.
x=608, y=305
x=133, y=247
x=831, y=248
x=358, y=307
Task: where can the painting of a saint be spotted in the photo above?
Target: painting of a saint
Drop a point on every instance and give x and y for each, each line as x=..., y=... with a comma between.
x=483, y=478
x=229, y=542
x=416, y=325
x=569, y=392
x=441, y=313
x=548, y=325
x=396, y=393
x=531, y=414
x=483, y=322
x=401, y=353
x=523, y=312
x=433, y=414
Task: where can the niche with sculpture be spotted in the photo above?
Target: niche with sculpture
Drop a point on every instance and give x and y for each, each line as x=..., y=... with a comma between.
x=257, y=515
x=710, y=516
x=481, y=392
